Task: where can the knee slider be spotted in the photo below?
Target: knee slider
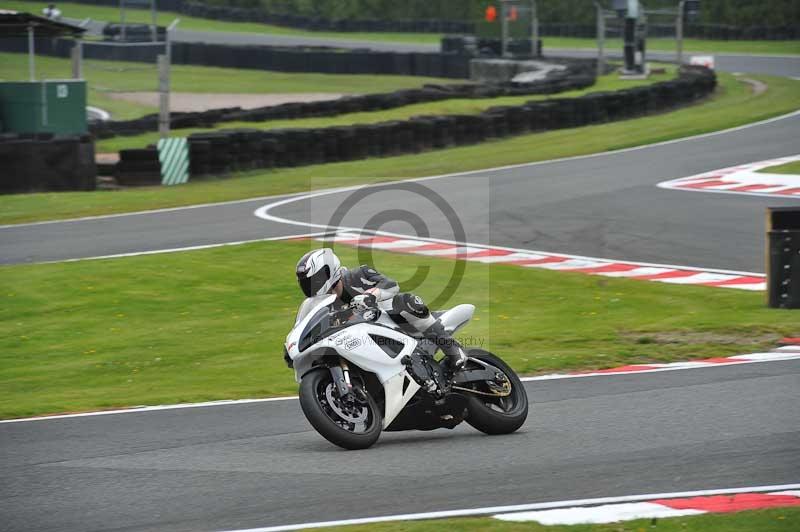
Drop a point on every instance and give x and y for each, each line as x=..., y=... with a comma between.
x=411, y=304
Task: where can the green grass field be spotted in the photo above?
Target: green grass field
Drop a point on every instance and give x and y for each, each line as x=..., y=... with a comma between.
x=81, y=11
x=734, y=104
x=105, y=77
x=792, y=168
x=210, y=324
x=774, y=520
x=446, y=107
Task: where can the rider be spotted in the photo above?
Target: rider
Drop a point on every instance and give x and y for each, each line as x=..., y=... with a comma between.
x=320, y=272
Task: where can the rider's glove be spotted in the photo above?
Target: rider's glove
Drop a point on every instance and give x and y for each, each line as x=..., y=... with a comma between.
x=364, y=301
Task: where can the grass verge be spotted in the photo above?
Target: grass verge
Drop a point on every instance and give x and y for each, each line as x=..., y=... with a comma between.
x=210, y=324
x=792, y=168
x=447, y=107
x=732, y=105
x=689, y=45
x=104, y=78
x=774, y=520
x=81, y=11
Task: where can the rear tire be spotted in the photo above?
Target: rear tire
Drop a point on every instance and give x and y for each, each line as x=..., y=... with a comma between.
x=325, y=417
x=502, y=415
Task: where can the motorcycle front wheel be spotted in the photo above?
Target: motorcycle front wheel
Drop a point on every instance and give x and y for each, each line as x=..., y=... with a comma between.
x=350, y=424
x=494, y=414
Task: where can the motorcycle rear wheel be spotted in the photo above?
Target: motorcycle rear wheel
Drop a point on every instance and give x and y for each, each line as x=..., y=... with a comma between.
x=497, y=415
x=348, y=426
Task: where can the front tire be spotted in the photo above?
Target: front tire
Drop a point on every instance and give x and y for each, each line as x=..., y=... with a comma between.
x=350, y=426
x=497, y=415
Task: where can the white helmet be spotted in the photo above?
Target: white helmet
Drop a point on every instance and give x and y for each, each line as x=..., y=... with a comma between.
x=318, y=271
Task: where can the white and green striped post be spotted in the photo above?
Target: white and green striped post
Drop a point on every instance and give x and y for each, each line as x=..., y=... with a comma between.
x=173, y=154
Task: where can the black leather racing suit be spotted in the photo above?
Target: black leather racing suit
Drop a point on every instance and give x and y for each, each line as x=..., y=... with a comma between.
x=407, y=310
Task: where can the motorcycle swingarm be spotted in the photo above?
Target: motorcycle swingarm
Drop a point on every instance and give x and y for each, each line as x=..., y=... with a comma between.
x=486, y=373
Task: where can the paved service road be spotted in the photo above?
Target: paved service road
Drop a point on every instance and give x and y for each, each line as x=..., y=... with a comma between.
x=260, y=464
x=601, y=206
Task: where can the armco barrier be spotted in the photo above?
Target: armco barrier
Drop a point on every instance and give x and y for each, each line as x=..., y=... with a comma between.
x=234, y=150
x=43, y=162
x=579, y=74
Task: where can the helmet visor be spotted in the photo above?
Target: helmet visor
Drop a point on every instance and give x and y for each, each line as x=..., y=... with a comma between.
x=311, y=285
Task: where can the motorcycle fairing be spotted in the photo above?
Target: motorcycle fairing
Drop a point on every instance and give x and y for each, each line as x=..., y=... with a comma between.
x=356, y=344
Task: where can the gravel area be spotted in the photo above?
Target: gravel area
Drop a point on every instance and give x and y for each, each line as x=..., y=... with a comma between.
x=190, y=101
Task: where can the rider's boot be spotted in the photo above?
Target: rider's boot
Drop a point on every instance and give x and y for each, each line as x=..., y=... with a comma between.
x=455, y=358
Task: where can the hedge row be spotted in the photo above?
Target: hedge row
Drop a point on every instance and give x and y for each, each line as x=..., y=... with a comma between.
x=226, y=151
x=577, y=75
x=40, y=162
x=715, y=31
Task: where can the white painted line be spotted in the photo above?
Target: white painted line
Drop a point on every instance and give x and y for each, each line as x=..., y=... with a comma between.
x=155, y=408
x=647, y=268
x=639, y=272
x=607, y=513
x=571, y=264
x=793, y=493
x=490, y=510
x=456, y=174
x=397, y=244
x=771, y=185
x=768, y=357
x=675, y=366
x=698, y=278
x=177, y=250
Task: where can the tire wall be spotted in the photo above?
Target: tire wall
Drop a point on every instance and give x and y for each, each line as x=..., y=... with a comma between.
x=42, y=162
x=578, y=75
x=227, y=151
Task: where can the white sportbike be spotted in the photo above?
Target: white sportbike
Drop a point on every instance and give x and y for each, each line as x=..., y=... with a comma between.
x=361, y=373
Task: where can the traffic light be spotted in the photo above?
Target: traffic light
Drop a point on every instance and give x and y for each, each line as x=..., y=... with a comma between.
x=491, y=13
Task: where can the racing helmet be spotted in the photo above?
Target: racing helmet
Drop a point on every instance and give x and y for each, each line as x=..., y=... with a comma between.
x=318, y=271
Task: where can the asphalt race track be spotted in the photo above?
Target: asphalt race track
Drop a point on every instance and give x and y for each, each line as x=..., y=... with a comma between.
x=244, y=466
x=600, y=206
x=260, y=464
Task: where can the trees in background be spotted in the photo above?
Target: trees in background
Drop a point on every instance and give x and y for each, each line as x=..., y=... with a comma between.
x=741, y=13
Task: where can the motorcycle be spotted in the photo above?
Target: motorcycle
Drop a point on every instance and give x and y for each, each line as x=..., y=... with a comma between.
x=360, y=373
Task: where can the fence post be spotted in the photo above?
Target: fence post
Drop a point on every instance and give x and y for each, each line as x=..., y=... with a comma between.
x=163, y=90
x=601, y=39
x=679, y=33
x=77, y=59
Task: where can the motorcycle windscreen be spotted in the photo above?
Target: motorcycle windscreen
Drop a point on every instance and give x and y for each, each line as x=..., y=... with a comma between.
x=308, y=305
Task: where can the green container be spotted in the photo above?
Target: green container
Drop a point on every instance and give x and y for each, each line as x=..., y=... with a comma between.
x=52, y=106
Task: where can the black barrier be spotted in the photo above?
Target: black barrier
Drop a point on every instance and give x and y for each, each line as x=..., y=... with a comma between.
x=579, y=74
x=44, y=162
x=229, y=150
x=138, y=167
x=783, y=257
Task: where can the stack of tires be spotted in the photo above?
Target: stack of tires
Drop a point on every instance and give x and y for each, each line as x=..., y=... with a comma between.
x=209, y=153
x=138, y=167
x=235, y=150
x=44, y=162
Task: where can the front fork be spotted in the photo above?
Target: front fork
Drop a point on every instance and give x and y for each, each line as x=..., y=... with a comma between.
x=340, y=373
